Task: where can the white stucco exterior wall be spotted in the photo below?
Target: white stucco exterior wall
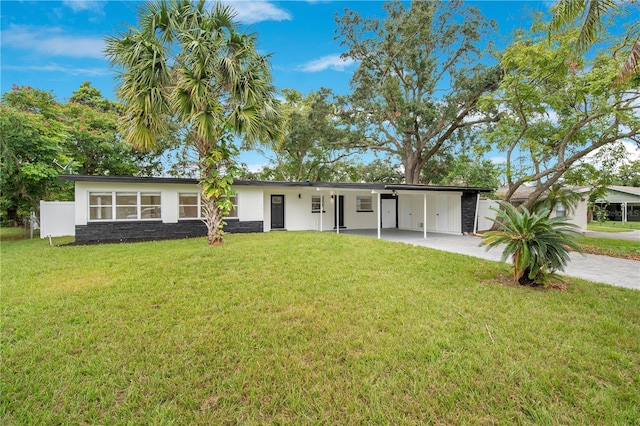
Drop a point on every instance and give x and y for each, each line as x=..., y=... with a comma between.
x=250, y=199
x=298, y=215
x=254, y=204
x=578, y=216
x=250, y=202
x=168, y=196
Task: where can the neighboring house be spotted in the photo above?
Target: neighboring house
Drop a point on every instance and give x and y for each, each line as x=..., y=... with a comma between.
x=578, y=216
x=117, y=208
x=622, y=203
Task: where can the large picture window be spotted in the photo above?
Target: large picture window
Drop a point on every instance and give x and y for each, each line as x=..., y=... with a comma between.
x=127, y=206
x=364, y=204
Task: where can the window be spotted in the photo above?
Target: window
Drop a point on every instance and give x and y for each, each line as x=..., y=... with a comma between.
x=100, y=206
x=150, y=205
x=561, y=210
x=317, y=203
x=363, y=204
x=127, y=206
x=234, y=210
x=190, y=206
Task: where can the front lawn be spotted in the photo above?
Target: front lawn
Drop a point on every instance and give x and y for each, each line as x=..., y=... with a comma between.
x=305, y=328
x=612, y=226
x=624, y=249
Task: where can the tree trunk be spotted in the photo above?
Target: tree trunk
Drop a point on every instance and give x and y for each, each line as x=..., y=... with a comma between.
x=411, y=171
x=213, y=220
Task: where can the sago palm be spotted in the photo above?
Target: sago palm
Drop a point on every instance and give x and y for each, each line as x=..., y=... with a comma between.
x=191, y=64
x=538, y=245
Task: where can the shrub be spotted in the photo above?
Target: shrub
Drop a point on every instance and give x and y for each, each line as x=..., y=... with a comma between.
x=538, y=245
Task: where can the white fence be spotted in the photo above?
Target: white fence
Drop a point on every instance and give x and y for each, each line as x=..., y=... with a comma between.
x=578, y=217
x=57, y=219
x=484, y=213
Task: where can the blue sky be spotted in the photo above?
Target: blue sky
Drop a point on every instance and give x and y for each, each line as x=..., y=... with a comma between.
x=56, y=45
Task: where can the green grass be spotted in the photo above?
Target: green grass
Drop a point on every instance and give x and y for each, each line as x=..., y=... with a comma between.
x=15, y=233
x=611, y=247
x=611, y=226
x=305, y=328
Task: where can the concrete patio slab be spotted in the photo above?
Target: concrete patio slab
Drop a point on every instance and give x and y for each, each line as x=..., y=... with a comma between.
x=602, y=269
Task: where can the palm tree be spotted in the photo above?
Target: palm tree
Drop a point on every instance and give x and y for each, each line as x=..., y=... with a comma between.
x=191, y=64
x=538, y=245
x=567, y=11
x=558, y=195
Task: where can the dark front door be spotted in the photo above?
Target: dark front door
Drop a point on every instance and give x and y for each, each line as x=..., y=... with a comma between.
x=277, y=211
x=339, y=211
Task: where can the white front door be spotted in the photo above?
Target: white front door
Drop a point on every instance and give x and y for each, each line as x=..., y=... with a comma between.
x=388, y=213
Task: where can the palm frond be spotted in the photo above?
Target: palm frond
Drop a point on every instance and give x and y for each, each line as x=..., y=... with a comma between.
x=592, y=23
x=630, y=66
x=565, y=12
x=589, y=13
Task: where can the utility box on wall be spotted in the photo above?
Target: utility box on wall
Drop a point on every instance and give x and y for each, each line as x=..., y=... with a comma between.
x=57, y=219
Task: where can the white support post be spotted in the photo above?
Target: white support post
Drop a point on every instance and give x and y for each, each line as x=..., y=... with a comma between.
x=321, y=210
x=379, y=214
x=337, y=215
x=424, y=215
x=624, y=212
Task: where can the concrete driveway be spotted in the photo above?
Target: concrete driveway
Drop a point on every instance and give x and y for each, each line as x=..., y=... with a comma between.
x=602, y=269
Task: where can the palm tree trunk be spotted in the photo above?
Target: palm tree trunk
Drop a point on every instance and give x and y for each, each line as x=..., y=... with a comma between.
x=215, y=161
x=213, y=220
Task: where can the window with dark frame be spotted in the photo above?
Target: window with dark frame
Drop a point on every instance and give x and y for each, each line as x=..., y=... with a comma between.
x=364, y=204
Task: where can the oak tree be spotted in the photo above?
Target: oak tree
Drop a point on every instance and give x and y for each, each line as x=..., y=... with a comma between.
x=418, y=80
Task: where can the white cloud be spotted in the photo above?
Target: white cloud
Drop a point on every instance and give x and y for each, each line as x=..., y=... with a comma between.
x=334, y=62
x=82, y=5
x=89, y=72
x=498, y=160
x=609, y=153
x=633, y=151
x=250, y=12
x=48, y=41
x=254, y=168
